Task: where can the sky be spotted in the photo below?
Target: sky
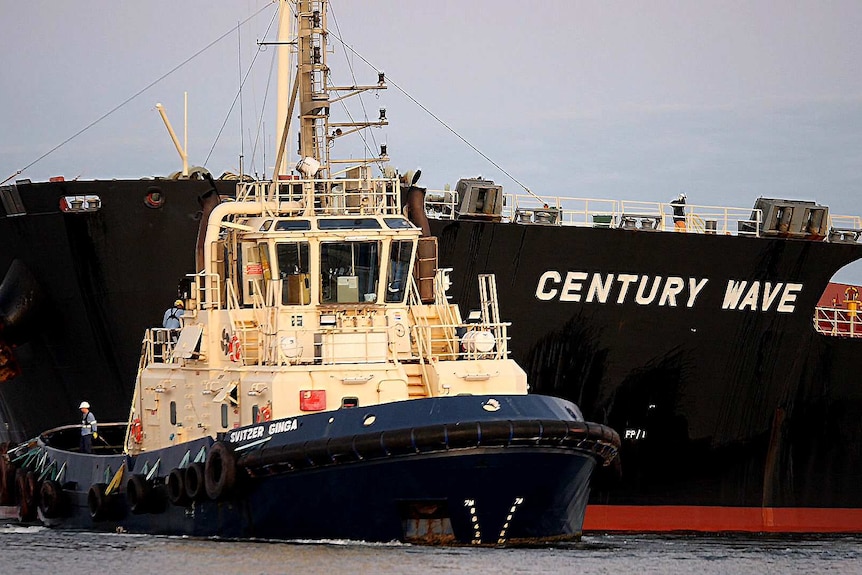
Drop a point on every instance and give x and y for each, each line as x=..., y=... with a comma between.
x=723, y=100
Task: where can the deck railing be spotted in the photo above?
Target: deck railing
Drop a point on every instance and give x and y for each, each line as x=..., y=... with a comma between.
x=838, y=322
x=604, y=213
x=339, y=196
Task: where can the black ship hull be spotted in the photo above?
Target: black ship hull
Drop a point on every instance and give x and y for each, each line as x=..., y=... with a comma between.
x=728, y=403
x=721, y=405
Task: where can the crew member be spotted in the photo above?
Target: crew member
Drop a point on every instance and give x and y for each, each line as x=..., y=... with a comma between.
x=88, y=428
x=173, y=315
x=678, y=205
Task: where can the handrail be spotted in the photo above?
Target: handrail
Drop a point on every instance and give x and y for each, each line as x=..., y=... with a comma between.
x=838, y=322
x=628, y=214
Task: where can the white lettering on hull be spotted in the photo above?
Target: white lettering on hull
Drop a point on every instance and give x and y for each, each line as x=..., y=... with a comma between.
x=257, y=431
x=671, y=291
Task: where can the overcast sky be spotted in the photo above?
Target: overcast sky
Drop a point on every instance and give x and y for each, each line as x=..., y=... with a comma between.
x=726, y=101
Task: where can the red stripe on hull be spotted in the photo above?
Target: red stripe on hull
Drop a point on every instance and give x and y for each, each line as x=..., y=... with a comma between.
x=658, y=518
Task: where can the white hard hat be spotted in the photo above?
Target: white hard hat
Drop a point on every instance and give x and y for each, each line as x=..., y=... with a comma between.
x=84, y=405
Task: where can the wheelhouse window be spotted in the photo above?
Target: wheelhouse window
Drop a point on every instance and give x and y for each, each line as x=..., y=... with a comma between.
x=350, y=272
x=294, y=272
x=398, y=275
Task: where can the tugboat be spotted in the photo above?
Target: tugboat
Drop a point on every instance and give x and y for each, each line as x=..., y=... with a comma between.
x=321, y=385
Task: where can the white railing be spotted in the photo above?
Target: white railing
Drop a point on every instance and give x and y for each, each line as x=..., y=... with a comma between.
x=838, y=322
x=340, y=196
x=626, y=214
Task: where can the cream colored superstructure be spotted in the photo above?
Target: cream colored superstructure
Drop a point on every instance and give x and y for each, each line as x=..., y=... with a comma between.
x=316, y=293
x=262, y=342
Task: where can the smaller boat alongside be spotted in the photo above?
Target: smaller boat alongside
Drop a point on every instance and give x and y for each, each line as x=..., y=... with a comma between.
x=314, y=391
x=321, y=384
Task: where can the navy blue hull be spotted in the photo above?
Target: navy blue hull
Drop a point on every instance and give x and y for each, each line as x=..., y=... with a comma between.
x=524, y=476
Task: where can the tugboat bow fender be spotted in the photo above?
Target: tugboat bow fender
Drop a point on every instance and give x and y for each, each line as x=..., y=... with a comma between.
x=220, y=470
x=598, y=441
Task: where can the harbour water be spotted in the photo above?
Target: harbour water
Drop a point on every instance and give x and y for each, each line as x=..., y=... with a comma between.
x=36, y=550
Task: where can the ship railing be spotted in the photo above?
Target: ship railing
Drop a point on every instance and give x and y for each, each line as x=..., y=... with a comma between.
x=159, y=344
x=348, y=345
x=605, y=213
x=208, y=291
x=441, y=204
x=845, y=222
x=439, y=333
x=838, y=322
x=470, y=341
x=846, y=229
x=329, y=197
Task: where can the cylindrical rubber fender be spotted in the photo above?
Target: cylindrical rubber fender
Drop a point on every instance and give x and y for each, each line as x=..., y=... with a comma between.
x=316, y=452
x=398, y=442
x=195, y=481
x=462, y=435
x=495, y=433
x=340, y=450
x=526, y=432
x=369, y=446
x=26, y=484
x=431, y=438
x=52, y=500
x=220, y=471
x=139, y=493
x=98, y=503
x=176, y=487
x=577, y=431
x=554, y=432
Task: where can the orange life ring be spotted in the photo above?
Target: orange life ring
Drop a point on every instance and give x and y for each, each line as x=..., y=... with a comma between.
x=851, y=294
x=137, y=431
x=234, y=349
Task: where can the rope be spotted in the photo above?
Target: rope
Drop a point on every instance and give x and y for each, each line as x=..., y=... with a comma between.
x=130, y=98
x=439, y=120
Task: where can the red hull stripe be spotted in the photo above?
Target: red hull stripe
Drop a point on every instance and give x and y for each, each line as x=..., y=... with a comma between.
x=657, y=518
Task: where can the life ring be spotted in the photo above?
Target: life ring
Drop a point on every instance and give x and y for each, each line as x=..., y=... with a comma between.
x=137, y=431
x=176, y=486
x=265, y=413
x=220, y=471
x=52, y=500
x=139, y=492
x=851, y=294
x=235, y=349
x=195, y=482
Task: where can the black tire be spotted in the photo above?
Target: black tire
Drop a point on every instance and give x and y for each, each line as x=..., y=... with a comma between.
x=52, y=500
x=28, y=495
x=195, y=481
x=98, y=502
x=7, y=481
x=220, y=471
x=139, y=494
x=176, y=487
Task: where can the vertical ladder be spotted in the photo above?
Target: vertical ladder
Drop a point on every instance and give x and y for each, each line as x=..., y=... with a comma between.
x=490, y=308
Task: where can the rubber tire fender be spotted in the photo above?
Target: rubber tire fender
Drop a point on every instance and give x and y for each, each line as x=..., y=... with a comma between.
x=26, y=484
x=195, y=482
x=7, y=480
x=176, y=486
x=139, y=493
x=220, y=471
x=52, y=500
x=98, y=502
